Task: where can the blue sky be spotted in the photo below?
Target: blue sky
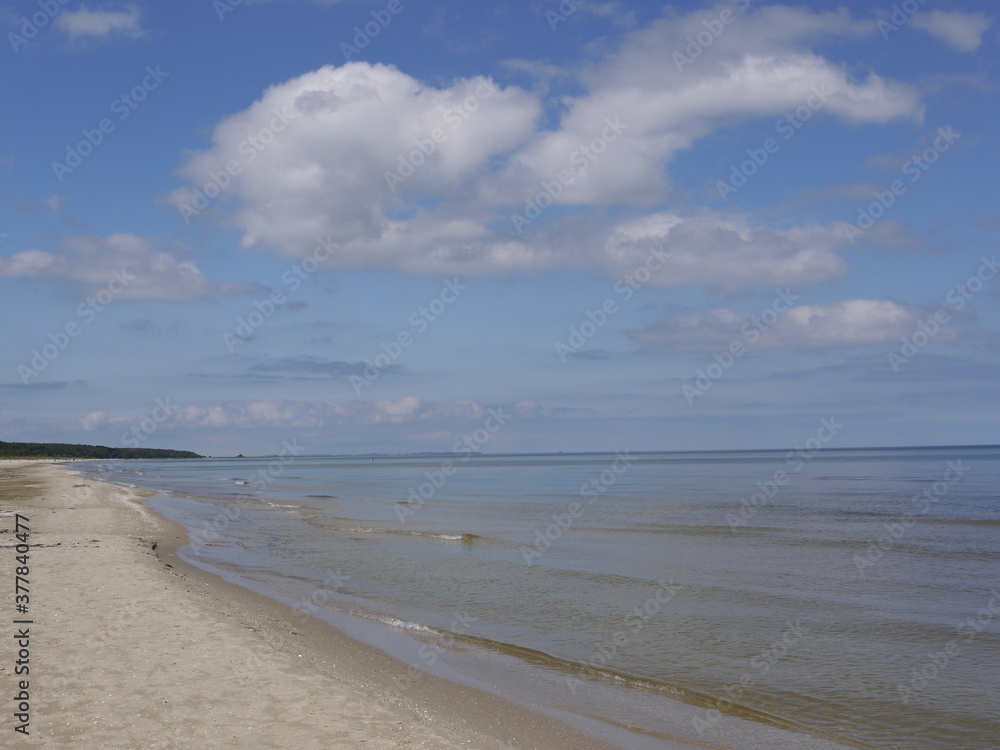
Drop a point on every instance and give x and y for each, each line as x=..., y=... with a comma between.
x=621, y=226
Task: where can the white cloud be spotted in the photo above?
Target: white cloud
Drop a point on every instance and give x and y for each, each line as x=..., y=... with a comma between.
x=963, y=31
x=324, y=175
x=98, y=420
x=305, y=414
x=93, y=262
x=430, y=424
x=724, y=252
x=757, y=67
x=616, y=12
x=97, y=24
x=847, y=323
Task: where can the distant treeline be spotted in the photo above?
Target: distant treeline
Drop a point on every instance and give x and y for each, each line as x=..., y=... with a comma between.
x=68, y=450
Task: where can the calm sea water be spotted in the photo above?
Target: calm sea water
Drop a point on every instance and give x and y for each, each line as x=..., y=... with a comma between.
x=850, y=597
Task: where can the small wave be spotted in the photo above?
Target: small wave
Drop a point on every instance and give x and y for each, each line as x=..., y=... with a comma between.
x=579, y=669
x=405, y=624
x=467, y=538
x=464, y=538
x=324, y=497
x=278, y=505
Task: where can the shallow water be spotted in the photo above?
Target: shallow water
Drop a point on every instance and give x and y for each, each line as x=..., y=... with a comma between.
x=836, y=600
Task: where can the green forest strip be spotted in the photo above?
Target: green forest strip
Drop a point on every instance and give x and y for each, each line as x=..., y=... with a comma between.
x=69, y=450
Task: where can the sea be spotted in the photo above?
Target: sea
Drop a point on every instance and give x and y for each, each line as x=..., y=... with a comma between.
x=750, y=599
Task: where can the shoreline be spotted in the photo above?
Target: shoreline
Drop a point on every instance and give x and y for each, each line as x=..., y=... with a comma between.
x=134, y=661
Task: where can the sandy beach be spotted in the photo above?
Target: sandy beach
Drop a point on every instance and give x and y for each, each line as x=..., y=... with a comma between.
x=130, y=647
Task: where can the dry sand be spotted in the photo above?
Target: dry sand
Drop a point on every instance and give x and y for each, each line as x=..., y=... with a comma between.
x=132, y=648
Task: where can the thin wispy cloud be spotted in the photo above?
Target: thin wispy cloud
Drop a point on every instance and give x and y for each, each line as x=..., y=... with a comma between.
x=841, y=324
x=95, y=25
x=134, y=267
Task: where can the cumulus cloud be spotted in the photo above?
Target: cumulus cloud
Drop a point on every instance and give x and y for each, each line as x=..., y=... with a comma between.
x=138, y=270
x=358, y=162
x=326, y=174
x=847, y=323
x=963, y=31
x=670, y=95
x=87, y=23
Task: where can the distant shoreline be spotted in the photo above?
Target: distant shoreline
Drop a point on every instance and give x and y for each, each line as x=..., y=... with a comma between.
x=147, y=454
x=10, y=450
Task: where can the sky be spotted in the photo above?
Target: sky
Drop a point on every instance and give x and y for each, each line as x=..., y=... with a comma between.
x=417, y=225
